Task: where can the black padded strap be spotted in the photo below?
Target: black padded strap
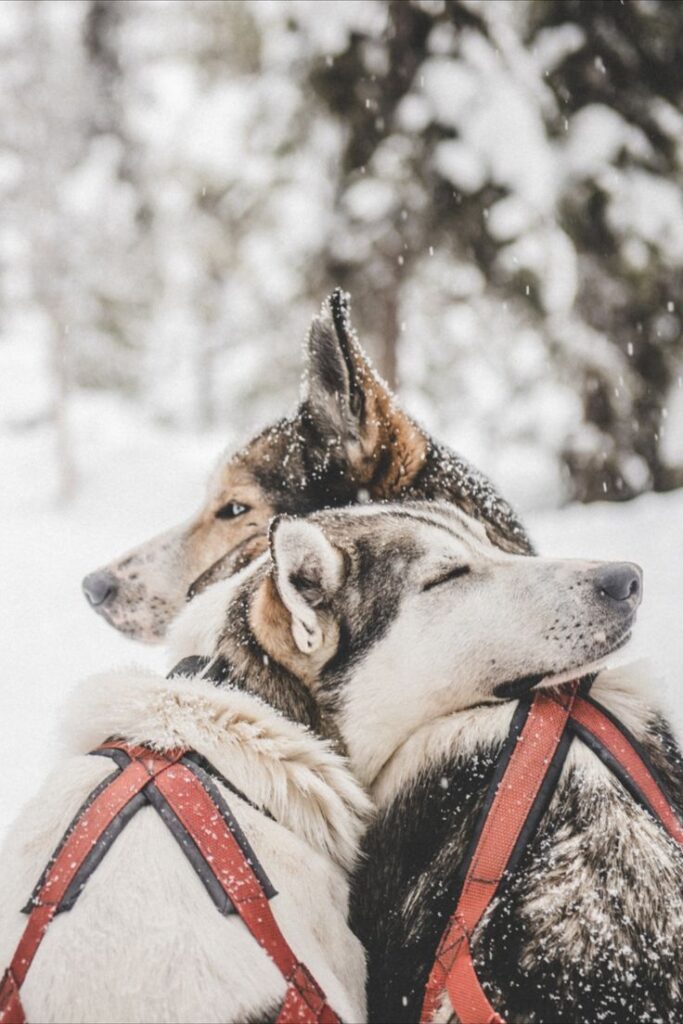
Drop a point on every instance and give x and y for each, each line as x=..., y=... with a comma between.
x=615, y=767
x=203, y=771
x=233, y=825
x=539, y=806
x=193, y=665
x=33, y=899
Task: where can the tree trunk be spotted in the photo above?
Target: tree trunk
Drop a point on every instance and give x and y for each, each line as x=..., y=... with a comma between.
x=388, y=332
x=66, y=467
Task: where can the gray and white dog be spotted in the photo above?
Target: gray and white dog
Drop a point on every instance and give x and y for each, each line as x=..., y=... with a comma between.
x=415, y=635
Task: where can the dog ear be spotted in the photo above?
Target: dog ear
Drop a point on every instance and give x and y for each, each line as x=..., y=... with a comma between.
x=353, y=410
x=335, y=375
x=308, y=572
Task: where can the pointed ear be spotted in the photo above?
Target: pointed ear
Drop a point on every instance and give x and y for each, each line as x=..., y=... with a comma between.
x=308, y=572
x=352, y=407
x=334, y=380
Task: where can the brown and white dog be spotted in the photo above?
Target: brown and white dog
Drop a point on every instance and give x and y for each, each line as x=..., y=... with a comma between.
x=348, y=441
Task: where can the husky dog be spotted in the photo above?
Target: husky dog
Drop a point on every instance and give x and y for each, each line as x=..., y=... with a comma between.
x=416, y=636
x=349, y=440
x=144, y=942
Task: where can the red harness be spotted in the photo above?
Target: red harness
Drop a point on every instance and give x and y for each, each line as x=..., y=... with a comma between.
x=194, y=810
x=529, y=766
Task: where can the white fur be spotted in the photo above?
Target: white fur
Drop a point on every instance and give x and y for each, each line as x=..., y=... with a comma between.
x=144, y=942
x=449, y=646
x=200, y=623
x=462, y=734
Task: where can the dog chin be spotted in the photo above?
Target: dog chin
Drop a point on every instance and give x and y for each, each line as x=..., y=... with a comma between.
x=587, y=668
x=146, y=634
x=515, y=688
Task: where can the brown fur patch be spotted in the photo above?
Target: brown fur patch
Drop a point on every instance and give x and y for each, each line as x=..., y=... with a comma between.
x=218, y=547
x=393, y=449
x=271, y=624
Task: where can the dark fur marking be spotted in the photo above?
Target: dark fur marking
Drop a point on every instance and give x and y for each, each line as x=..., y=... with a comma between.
x=406, y=887
x=416, y=845
x=515, y=688
x=269, y=1015
x=374, y=608
x=243, y=664
x=340, y=317
x=308, y=470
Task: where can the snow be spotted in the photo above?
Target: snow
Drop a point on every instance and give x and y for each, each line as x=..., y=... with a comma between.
x=137, y=480
x=648, y=208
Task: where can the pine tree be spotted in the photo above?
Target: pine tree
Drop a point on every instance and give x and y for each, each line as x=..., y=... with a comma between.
x=559, y=235
x=625, y=218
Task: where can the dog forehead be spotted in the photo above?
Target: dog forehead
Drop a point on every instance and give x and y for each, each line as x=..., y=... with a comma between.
x=233, y=478
x=418, y=528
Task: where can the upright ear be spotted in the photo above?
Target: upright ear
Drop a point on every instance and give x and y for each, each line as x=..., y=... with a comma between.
x=308, y=573
x=335, y=377
x=352, y=407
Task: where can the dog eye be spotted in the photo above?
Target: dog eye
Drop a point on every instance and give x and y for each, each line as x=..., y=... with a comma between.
x=446, y=577
x=232, y=510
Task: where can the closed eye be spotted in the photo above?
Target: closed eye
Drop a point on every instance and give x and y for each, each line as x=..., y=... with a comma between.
x=446, y=577
x=231, y=510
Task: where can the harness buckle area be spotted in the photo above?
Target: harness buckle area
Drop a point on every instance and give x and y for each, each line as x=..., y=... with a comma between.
x=11, y=1010
x=304, y=997
x=308, y=987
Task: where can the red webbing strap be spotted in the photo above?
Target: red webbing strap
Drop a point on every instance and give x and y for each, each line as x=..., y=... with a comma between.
x=611, y=738
x=453, y=969
x=305, y=1002
x=77, y=845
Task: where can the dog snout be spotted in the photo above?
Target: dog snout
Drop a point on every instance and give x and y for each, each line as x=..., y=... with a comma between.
x=620, y=583
x=100, y=588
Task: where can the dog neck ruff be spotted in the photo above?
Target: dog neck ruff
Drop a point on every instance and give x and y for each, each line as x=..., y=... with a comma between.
x=179, y=785
x=525, y=776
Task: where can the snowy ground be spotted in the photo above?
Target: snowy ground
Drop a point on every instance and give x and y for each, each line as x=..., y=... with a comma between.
x=50, y=639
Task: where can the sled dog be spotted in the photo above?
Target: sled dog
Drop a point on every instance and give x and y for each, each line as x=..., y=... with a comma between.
x=144, y=941
x=418, y=638
x=349, y=440
x=428, y=643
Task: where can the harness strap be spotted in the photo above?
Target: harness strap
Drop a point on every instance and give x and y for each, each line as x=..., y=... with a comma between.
x=83, y=835
x=305, y=1000
x=550, y=730
x=514, y=801
x=230, y=862
x=620, y=751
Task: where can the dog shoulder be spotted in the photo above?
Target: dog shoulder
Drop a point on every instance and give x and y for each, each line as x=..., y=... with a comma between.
x=278, y=763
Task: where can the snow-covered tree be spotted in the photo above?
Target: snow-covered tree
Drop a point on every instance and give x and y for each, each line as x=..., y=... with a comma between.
x=498, y=184
x=619, y=87
x=518, y=163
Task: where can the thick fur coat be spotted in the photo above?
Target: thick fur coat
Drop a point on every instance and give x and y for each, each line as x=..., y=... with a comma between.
x=144, y=942
x=590, y=926
x=417, y=635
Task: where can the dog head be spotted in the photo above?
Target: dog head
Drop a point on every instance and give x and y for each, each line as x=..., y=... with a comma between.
x=397, y=615
x=349, y=441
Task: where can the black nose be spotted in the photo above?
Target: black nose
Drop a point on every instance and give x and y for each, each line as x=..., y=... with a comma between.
x=620, y=581
x=99, y=587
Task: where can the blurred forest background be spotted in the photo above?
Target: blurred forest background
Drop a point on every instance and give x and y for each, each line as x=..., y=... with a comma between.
x=498, y=184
